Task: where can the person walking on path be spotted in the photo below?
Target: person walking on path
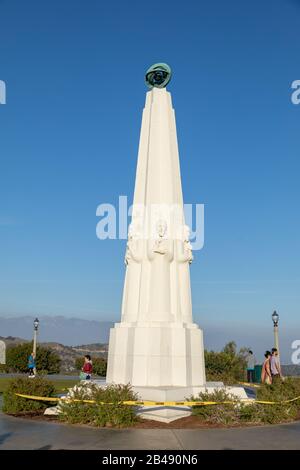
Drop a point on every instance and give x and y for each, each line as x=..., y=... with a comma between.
x=275, y=366
x=251, y=361
x=87, y=368
x=31, y=365
x=266, y=376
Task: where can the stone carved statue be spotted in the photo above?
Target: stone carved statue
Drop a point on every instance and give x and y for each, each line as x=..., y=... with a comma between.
x=133, y=260
x=184, y=257
x=184, y=248
x=160, y=254
x=133, y=247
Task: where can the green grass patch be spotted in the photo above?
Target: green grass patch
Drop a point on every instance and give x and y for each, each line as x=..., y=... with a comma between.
x=59, y=385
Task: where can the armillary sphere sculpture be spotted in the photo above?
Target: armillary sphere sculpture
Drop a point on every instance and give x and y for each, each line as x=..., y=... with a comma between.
x=158, y=75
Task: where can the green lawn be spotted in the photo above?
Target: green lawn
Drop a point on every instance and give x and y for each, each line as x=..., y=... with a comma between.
x=60, y=385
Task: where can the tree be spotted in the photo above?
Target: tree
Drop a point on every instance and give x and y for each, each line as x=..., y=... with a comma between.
x=228, y=365
x=230, y=348
x=100, y=366
x=46, y=359
x=79, y=363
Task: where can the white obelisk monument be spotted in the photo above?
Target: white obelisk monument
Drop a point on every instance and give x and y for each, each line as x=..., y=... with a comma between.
x=157, y=347
x=156, y=344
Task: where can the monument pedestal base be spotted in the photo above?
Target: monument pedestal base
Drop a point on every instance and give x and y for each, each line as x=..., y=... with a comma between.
x=156, y=354
x=162, y=361
x=167, y=414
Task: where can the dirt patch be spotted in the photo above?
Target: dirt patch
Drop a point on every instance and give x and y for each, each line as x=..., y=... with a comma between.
x=189, y=422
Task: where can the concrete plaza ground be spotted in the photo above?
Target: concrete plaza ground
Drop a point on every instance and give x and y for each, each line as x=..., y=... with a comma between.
x=23, y=434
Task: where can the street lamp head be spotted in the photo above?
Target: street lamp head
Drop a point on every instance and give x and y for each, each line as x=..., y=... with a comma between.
x=36, y=324
x=275, y=318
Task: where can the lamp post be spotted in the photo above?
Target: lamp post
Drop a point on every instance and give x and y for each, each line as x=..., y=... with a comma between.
x=36, y=326
x=275, y=318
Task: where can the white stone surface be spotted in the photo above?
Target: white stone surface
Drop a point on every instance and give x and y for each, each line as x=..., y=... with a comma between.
x=156, y=354
x=164, y=394
x=156, y=344
x=2, y=352
x=52, y=411
x=164, y=414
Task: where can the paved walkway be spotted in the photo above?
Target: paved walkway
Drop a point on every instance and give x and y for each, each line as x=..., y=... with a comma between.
x=16, y=433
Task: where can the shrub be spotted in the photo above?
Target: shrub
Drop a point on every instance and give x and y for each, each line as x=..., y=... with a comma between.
x=12, y=404
x=17, y=358
x=99, y=365
x=217, y=414
x=277, y=413
x=227, y=366
x=3, y=368
x=113, y=414
x=79, y=363
x=238, y=412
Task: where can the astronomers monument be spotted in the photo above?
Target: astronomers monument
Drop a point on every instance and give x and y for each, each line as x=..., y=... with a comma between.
x=156, y=347
x=156, y=344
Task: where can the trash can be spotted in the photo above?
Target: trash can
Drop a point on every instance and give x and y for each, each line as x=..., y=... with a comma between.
x=257, y=373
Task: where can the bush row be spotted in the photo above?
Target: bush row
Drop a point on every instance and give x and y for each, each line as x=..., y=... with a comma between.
x=113, y=414
x=237, y=412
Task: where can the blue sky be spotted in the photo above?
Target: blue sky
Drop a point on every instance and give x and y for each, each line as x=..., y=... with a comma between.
x=69, y=137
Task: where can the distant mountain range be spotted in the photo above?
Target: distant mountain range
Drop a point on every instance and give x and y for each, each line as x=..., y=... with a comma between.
x=74, y=331
x=58, y=329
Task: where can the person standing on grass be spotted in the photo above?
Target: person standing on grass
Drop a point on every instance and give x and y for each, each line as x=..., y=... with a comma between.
x=31, y=365
x=266, y=376
x=275, y=366
x=251, y=361
x=87, y=368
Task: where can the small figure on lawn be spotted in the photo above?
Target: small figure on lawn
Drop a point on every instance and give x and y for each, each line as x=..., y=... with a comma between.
x=87, y=368
x=251, y=361
x=266, y=376
x=31, y=365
